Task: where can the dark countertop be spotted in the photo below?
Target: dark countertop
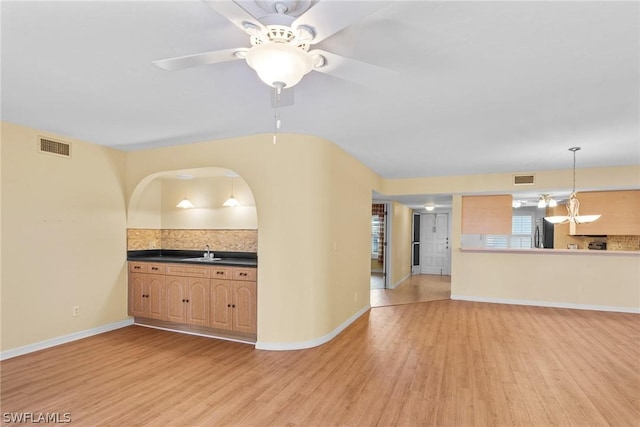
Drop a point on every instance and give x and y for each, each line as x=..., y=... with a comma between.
x=238, y=259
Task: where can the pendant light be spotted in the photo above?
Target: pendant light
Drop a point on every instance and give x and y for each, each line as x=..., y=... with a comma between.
x=573, y=205
x=231, y=201
x=185, y=203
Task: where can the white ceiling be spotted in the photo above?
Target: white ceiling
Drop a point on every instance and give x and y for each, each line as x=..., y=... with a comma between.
x=480, y=86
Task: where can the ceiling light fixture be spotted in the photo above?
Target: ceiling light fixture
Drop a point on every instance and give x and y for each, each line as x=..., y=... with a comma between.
x=573, y=205
x=429, y=208
x=516, y=204
x=185, y=203
x=280, y=57
x=231, y=202
x=546, y=200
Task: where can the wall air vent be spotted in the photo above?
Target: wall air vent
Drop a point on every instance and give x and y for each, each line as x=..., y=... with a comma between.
x=524, y=179
x=57, y=148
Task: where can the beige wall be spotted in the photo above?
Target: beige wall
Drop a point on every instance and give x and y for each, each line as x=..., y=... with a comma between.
x=67, y=218
x=624, y=177
x=532, y=277
x=147, y=212
x=401, y=224
x=313, y=203
x=207, y=194
x=63, y=238
x=588, y=279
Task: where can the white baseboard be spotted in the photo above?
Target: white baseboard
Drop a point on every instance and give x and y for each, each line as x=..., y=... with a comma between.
x=30, y=348
x=634, y=310
x=312, y=343
x=198, y=334
x=395, y=285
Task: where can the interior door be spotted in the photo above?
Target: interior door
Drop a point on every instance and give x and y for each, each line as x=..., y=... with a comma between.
x=435, y=255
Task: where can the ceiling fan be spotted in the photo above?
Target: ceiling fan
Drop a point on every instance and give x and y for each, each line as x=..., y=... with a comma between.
x=281, y=39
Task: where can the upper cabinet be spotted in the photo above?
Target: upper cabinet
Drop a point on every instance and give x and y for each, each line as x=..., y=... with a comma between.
x=486, y=214
x=620, y=212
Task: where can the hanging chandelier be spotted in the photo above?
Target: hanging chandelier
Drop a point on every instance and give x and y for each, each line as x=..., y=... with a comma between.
x=573, y=205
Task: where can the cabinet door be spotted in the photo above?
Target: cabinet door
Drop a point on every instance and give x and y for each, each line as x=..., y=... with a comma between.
x=155, y=298
x=244, y=312
x=198, y=305
x=137, y=292
x=176, y=299
x=220, y=304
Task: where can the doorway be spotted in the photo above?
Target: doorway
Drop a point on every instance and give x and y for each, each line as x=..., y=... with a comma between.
x=435, y=252
x=378, y=245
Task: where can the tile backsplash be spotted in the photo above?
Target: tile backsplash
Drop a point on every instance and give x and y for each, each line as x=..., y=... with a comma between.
x=623, y=243
x=614, y=243
x=143, y=238
x=218, y=240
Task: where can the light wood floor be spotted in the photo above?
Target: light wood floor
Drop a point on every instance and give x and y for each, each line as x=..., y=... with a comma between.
x=418, y=288
x=438, y=363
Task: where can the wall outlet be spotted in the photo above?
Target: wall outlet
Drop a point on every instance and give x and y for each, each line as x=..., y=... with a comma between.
x=76, y=311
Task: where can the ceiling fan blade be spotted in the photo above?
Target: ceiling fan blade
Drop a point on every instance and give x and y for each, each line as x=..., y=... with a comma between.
x=205, y=58
x=353, y=70
x=237, y=15
x=327, y=17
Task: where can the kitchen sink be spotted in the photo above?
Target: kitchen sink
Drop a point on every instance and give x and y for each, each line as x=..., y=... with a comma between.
x=202, y=259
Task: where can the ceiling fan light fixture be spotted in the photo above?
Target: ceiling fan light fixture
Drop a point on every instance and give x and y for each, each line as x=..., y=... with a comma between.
x=251, y=29
x=279, y=62
x=319, y=61
x=305, y=33
x=240, y=53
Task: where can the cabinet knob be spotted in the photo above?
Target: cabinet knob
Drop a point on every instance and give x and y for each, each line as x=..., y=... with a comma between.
x=229, y=305
x=233, y=305
x=137, y=267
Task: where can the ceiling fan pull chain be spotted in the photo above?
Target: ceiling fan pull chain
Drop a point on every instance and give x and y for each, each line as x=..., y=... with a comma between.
x=278, y=88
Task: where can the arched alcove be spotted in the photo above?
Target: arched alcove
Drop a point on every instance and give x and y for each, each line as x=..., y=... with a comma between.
x=153, y=202
x=313, y=203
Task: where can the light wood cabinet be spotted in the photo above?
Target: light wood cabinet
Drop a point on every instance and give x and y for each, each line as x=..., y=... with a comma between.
x=220, y=297
x=244, y=307
x=146, y=295
x=487, y=214
x=620, y=212
x=221, y=300
x=188, y=297
x=233, y=302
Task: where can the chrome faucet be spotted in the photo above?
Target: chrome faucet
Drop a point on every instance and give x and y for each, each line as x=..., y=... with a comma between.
x=208, y=254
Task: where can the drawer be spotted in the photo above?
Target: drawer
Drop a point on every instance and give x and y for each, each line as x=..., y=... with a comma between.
x=146, y=267
x=187, y=270
x=221, y=273
x=138, y=267
x=245, y=274
x=156, y=268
